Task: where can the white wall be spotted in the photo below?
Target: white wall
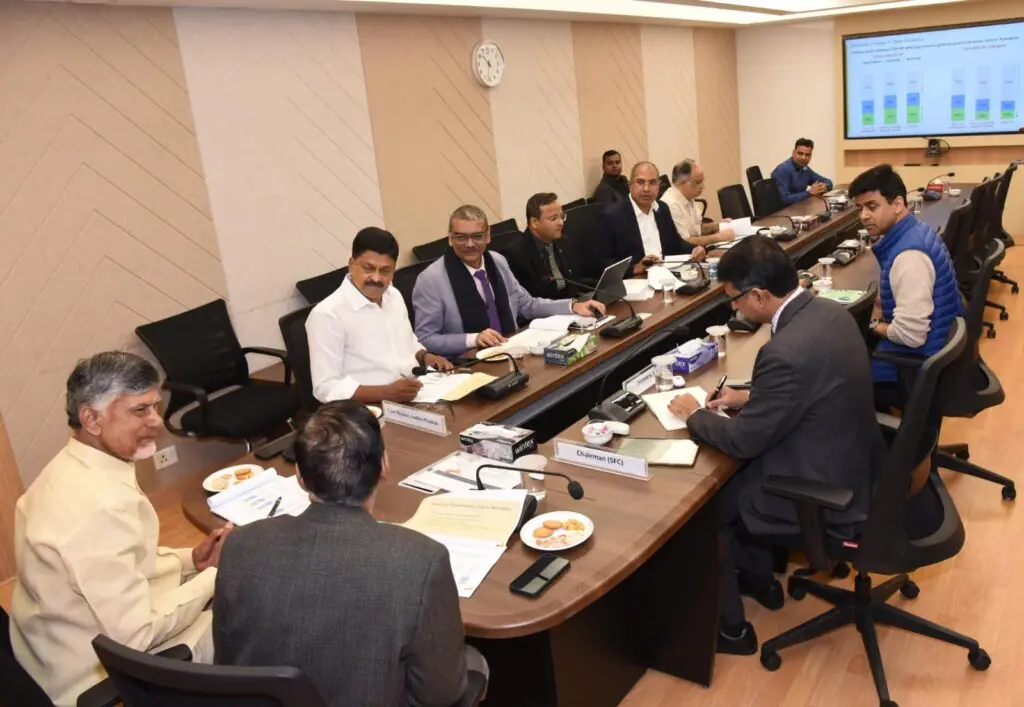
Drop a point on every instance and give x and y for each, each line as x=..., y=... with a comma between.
x=786, y=76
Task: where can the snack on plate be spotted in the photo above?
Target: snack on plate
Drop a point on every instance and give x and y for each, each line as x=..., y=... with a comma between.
x=542, y=532
x=220, y=483
x=553, y=524
x=573, y=525
x=561, y=540
x=243, y=474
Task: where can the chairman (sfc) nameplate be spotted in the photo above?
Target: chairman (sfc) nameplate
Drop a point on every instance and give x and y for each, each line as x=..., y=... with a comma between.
x=601, y=459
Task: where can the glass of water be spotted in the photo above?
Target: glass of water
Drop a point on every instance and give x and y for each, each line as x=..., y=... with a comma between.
x=663, y=372
x=667, y=294
x=826, y=272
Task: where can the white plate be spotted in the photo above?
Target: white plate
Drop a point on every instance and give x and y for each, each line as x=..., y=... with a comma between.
x=574, y=539
x=481, y=355
x=229, y=476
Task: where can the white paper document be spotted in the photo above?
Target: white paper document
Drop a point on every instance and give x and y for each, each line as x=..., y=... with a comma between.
x=436, y=386
x=457, y=472
x=559, y=322
x=252, y=499
x=658, y=404
x=741, y=227
x=684, y=258
x=533, y=337
x=637, y=290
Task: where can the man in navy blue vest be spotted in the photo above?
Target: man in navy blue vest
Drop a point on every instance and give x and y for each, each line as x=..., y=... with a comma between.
x=918, y=295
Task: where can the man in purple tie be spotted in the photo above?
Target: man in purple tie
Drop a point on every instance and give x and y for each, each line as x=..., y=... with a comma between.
x=470, y=299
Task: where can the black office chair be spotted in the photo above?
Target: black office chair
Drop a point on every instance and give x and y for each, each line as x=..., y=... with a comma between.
x=293, y=331
x=997, y=228
x=767, y=199
x=575, y=204
x=703, y=209
x=663, y=184
x=317, y=289
x=509, y=225
x=581, y=241
x=504, y=242
x=753, y=176
x=971, y=243
x=202, y=358
x=405, y=280
x=860, y=310
x=428, y=252
x=886, y=543
x=732, y=200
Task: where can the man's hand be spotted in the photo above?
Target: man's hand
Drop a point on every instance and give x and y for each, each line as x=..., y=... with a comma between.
x=650, y=259
x=488, y=338
x=436, y=362
x=584, y=308
x=207, y=553
x=682, y=406
x=727, y=220
x=402, y=390
x=876, y=309
x=725, y=235
x=818, y=188
x=698, y=254
x=730, y=398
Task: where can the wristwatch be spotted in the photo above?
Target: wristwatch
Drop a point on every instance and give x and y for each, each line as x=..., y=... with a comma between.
x=873, y=324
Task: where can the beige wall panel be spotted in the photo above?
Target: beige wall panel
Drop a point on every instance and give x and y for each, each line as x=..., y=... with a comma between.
x=670, y=90
x=431, y=121
x=535, y=113
x=10, y=489
x=610, y=86
x=717, y=111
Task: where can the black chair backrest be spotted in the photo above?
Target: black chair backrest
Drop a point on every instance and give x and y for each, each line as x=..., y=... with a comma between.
x=861, y=310
x=145, y=680
x=703, y=206
x=983, y=230
x=428, y=252
x=957, y=237
x=663, y=184
x=405, y=280
x=503, y=242
x=575, y=204
x=18, y=687
x=753, y=175
x=1001, y=194
x=885, y=545
x=317, y=289
x=509, y=225
x=974, y=311
x=293, y=331
x=198, y=347
x=581, y=237
x=732, y=200
x=767, y=199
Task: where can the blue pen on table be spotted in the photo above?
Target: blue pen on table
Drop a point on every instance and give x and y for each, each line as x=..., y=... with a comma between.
x=718, y=390
x=273, y=509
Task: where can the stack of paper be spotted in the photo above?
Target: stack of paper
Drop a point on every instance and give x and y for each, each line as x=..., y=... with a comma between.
x=457, y=472
x=667, y=452
x=560, y=322
x=252, y=499
x=658, y=404
x=449, y=386
x=740, y=227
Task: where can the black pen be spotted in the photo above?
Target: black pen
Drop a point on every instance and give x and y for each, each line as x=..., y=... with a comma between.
x=273, y=509
x=718, y=389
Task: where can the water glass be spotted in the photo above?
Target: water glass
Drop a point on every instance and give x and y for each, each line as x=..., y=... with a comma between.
x=668, y=292
x=533, y=483
x=713, y=268
x=718, y=334
x=826, y=272
x=663, y=372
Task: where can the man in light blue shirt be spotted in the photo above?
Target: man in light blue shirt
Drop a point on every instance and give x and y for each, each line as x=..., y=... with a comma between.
x=797, y=181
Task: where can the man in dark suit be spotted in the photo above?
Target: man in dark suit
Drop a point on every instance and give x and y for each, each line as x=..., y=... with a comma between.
x=613, y=187
x=536, y=257
x=641, y=227
x=368, y=611
x=809, y=414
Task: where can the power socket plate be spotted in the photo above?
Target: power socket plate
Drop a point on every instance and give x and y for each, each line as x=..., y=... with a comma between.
x=165, y=457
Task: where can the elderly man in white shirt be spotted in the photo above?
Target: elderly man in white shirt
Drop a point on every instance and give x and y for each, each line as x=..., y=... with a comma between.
x=85, y=541
x=361, y=343
x=687, y=185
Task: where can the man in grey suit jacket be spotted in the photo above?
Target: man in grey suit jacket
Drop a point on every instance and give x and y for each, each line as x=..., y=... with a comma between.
x=368, y=611
x=809, y=414
x=470, y=299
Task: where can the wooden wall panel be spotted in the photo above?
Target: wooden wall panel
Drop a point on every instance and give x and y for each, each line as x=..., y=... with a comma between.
x=670, y=88
x=717, y=111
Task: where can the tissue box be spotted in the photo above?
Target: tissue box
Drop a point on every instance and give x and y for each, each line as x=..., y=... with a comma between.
x=707, y=353
x=498, y=442
x=569, y=349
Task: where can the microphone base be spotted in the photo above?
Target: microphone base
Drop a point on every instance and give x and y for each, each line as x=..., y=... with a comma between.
x=506, y=385
x=622, y=328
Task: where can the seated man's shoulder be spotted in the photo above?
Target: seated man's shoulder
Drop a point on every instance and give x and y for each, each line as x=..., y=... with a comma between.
x=406, y=542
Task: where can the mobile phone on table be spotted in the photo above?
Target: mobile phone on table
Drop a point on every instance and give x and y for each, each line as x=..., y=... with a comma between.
x=539, y=576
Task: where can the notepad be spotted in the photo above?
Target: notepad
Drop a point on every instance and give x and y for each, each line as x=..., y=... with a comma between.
x=658, y=404
x=665, y=452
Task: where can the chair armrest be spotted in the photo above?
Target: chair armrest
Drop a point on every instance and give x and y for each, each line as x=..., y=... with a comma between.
x=816, y=493
x=193, y=391
x=103, y=694
x=179, y=652
x=899, y=358
x=476, y=688
x=275, y=353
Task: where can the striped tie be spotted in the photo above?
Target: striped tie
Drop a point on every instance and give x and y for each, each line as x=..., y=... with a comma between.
x=555, y=272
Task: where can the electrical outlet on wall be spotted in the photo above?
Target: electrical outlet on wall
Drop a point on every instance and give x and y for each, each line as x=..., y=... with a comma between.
x=165, y=457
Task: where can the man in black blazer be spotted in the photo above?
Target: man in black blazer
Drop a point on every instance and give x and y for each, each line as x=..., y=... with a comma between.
x=536, y=256
x=613, y=187
x=368, y=611
x=809, y=414
x=641, y=227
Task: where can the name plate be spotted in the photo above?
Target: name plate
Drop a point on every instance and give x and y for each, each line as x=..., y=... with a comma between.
x=431, y=422
x=601, y=459
x=641, y=382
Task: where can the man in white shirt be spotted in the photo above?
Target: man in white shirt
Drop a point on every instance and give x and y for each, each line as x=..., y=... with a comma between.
x=85, y=541
x=687, y=185
x=361, y=343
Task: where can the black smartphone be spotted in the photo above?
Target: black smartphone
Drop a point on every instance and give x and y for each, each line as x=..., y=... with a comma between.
x=539, y=576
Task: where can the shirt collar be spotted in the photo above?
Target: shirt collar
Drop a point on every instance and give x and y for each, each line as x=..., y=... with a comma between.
x=778, y=312
x=357, y=299
x=474, y=271
x=541, y=244
x=93, y=458
x=797, y=167
x=638, y=212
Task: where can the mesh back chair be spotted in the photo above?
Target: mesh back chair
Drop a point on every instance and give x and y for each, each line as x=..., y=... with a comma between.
x=753, y=176
x=998, y=230
x=575, y=204
x=861, y=311
x=581, y=237
x=205, y=364
x=405, y=280
x=975, y=244
x=732, y=201
x=317, y=289
x=903, y=531
x=145, y=680
x=429, y=252
x=663, y=184
x=293, y=331
x=767, y=199
x=509, y=225
x=703, y=209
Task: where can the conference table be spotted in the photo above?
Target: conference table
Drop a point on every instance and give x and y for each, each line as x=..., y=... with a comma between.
x=643, y=592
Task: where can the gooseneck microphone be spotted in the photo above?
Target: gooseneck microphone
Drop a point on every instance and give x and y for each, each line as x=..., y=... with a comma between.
x=618, y=329
x=931, y=195
x=574, y=487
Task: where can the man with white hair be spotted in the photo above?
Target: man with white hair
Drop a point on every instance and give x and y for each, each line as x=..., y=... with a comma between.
x=86, y=540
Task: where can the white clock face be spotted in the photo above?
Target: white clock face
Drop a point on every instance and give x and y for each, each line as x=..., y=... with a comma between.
x=488, y=63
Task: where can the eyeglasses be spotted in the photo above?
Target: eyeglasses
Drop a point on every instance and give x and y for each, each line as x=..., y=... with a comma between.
x=464, y=238
x=563, y=217
x=738, y=295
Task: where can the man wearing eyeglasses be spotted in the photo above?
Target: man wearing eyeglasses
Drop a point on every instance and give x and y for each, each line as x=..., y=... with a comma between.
x=641, y=227
x=536, y=257
x=470, y=299
x=687, y=185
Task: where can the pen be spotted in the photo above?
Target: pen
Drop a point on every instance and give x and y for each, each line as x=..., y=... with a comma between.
x=718, y=389
x=273, y=509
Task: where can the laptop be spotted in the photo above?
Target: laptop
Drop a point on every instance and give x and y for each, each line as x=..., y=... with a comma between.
x=610, y=287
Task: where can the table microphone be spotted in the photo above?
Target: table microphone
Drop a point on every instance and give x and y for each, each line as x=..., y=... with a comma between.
x=619, y=329
x=496, y=389
x=930, y=195
x=574, y=487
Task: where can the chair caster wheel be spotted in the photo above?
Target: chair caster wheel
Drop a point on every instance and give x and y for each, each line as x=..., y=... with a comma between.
x=841, y=570
x=888, y=703
x=1003, y=316
x=910, y=590
x=772, y=661
x=795, y=590
x=978, y=659
x=964, y=455
x=1009, y=493
x=991, y=333
x=1015, y=290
